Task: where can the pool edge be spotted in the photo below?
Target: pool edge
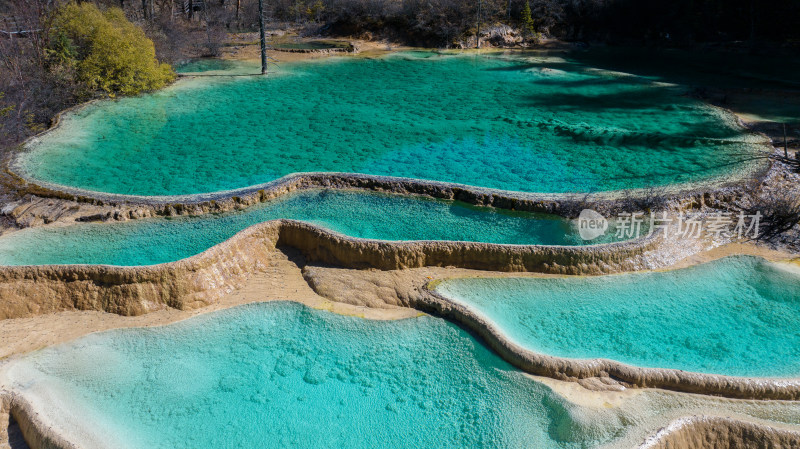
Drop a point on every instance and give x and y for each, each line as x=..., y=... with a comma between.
x=205, y=277
x=576, y=369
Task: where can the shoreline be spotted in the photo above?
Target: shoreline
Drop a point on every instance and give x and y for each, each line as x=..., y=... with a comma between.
x=206, y=277
x=286, y=282
x=281, y=281
x=199, y=203
x=602, y=372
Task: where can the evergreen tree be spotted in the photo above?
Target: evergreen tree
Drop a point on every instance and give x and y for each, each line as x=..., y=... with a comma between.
x=527, y=20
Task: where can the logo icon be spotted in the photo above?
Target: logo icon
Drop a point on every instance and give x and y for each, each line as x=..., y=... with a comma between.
x=591, y=224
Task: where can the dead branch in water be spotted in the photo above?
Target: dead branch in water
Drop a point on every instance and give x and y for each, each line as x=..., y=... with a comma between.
x=779, y=210
x=649, y=199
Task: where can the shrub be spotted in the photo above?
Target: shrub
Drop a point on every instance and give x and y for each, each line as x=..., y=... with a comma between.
x=4, y=111
x=106, y=51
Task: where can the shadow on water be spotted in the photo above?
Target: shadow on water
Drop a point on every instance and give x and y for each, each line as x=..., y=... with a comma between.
x=697, y=68
x=766, y=87
x=600, y=101
x=619, y=94
x=760, y=85
x=592, y=82
x=660, y=99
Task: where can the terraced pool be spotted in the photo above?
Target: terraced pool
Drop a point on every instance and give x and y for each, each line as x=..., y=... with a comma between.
x=738, y=316
x=523, y=122
x=280, y=375
x=354, y=213
x=277, y=375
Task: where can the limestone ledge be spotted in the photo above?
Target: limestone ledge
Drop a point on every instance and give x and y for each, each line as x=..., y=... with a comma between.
x=719, y=432
x=37, y=203
x=575, y=369
x=35, y=429
x=185, y=284
x=351, y=47
x=202, y=279
x=416, y=289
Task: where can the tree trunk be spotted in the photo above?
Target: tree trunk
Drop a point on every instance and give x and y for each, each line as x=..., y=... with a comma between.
x=478, y=33
x=263, y=37
x=144, y=9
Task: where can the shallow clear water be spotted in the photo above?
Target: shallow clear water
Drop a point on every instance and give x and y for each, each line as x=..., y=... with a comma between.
x=282, y=375
x=357, y=214
x=207, y=65
x=737, y=316
x=526, y=123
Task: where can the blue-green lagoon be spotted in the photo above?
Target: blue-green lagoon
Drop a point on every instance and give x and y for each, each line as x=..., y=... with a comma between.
x=737, y=316
x=521, y=121
x=278, y=374
x=355, y=213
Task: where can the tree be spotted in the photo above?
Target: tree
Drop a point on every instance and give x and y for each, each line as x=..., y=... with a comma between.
x=262, y=37
x=314, y=12
x=4, y=111
x=526, y=20
x=107, y=51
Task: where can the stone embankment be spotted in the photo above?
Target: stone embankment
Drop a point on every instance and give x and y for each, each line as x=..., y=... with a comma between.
x=202, y=279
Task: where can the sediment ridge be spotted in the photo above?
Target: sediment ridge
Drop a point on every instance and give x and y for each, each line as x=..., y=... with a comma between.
x=40, y=203
x=628, y=376
x=34, y=428
x=416, y=289
x=718, y=432
x=202, y=279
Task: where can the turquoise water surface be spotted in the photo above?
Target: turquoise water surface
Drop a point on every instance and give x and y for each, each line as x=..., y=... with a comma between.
x=738, y=316
x=354, y=213
x=522, y=122
x=279, y=375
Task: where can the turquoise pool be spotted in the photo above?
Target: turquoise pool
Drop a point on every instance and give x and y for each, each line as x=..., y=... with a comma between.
x=524, y=122
x=737, y=316
x=354, y=213
x=277, y=375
